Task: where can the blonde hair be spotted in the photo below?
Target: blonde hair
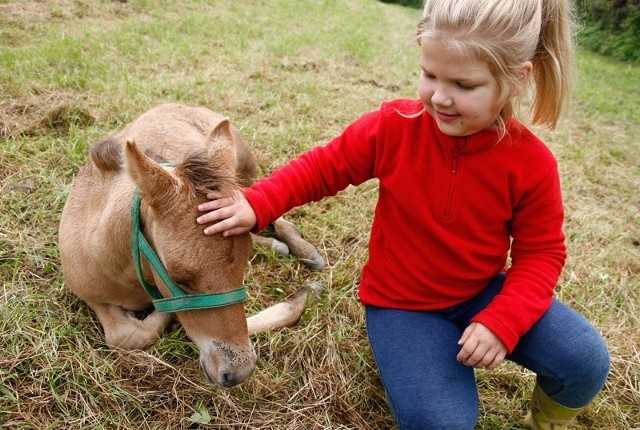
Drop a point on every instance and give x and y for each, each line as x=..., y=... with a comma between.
x=507, y=34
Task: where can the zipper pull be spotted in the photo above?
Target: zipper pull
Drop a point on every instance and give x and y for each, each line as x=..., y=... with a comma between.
x=457, y=150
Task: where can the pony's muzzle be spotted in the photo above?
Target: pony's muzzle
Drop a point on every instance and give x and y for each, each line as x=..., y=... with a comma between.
x=226, y=365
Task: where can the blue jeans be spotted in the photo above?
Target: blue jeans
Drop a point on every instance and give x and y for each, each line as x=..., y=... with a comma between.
x=427, y=388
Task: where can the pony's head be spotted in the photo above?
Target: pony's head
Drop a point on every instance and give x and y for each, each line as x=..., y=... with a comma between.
x=197, y=262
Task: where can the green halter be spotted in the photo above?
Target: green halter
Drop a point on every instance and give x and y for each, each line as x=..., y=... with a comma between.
x=181, y=301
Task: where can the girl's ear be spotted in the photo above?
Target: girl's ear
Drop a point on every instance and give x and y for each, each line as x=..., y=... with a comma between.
x=523, y=77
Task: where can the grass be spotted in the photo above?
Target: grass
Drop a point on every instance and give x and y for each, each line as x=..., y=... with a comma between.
x=290, y=75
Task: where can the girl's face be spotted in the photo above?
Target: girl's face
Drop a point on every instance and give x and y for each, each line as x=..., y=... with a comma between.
x=457, y=89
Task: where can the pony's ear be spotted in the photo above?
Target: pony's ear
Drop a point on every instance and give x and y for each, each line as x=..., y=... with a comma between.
x=153, y=180
x=221, y=146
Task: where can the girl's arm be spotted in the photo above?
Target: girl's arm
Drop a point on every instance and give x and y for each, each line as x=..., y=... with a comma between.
x=349, y=159
x=538, y=254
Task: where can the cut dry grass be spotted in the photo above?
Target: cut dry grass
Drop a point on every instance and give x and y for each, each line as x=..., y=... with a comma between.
x=290, y=75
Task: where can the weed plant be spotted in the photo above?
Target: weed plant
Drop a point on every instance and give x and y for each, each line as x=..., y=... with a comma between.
x=290, y=75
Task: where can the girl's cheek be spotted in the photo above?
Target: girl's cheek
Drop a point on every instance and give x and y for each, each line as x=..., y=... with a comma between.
x=424, y=94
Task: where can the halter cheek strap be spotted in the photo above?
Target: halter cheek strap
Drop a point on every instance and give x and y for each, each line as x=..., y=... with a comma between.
x=181, y=300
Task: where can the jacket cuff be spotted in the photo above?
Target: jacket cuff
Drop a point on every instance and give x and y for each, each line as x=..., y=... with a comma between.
x=508, y=337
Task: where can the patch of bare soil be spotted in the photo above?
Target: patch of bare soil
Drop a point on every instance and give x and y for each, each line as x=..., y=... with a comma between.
x=33, y=117
x=30, y=11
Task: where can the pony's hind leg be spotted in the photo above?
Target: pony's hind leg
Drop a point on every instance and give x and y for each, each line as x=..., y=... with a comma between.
x=287, y=232
x=123, y=330
x=286, y=313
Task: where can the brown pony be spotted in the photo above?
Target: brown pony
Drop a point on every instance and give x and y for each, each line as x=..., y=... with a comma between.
x=206, y=154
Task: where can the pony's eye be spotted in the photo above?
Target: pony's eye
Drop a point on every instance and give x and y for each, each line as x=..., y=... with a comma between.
x=185, y=285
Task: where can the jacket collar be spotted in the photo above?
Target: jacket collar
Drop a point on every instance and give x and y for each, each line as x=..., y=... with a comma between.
x=476, y=142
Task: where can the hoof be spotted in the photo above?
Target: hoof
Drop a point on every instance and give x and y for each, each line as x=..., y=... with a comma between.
x=315, y=261
x=317, y=288
x=309, y=295
x=280, y=248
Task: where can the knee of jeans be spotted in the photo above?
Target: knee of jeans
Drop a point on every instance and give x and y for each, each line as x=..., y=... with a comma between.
x=586, y=377
x=599, y=364
x=413, y=417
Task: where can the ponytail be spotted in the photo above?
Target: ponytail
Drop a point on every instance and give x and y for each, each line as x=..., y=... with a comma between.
x=553, y=62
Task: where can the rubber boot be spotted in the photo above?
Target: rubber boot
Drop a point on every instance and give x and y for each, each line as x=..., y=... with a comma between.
x=546, y=414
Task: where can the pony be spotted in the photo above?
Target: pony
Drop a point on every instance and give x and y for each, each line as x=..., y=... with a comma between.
x=128, y=240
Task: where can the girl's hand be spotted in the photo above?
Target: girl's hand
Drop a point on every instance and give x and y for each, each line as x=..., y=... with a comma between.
x=231, y=215
x=480, y=347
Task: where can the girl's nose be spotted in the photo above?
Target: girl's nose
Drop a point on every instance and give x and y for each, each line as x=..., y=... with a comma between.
x=441, y=98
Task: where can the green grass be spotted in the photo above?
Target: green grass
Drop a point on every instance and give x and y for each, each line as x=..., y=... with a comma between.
x=290, y=75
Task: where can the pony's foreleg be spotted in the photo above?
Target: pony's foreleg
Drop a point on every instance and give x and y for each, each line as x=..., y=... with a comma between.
x=280, y=248
x=288, y=233
x=286, y=313
x=123, y=330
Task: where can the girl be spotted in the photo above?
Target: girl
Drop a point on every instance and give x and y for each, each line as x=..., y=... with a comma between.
x=462, y=185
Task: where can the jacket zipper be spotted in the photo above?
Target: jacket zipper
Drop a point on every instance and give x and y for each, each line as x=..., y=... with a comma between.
x=457, y=150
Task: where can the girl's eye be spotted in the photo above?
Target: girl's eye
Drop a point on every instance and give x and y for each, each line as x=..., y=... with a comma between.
x=465, y=87
x=427, y=75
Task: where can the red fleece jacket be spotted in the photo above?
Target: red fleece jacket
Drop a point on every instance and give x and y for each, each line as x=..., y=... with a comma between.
x=449, y=210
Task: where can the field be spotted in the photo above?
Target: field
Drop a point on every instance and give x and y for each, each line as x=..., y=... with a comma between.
x=290, y=75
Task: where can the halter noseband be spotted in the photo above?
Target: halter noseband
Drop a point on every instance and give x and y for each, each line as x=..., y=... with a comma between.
x=181, y=301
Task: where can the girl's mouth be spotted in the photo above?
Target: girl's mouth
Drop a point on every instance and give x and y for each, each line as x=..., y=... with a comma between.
x=446, y=117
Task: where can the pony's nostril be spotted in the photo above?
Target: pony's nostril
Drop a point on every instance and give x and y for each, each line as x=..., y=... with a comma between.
x=229, y=379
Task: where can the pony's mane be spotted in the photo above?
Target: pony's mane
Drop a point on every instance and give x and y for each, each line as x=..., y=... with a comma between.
x=205, y=174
